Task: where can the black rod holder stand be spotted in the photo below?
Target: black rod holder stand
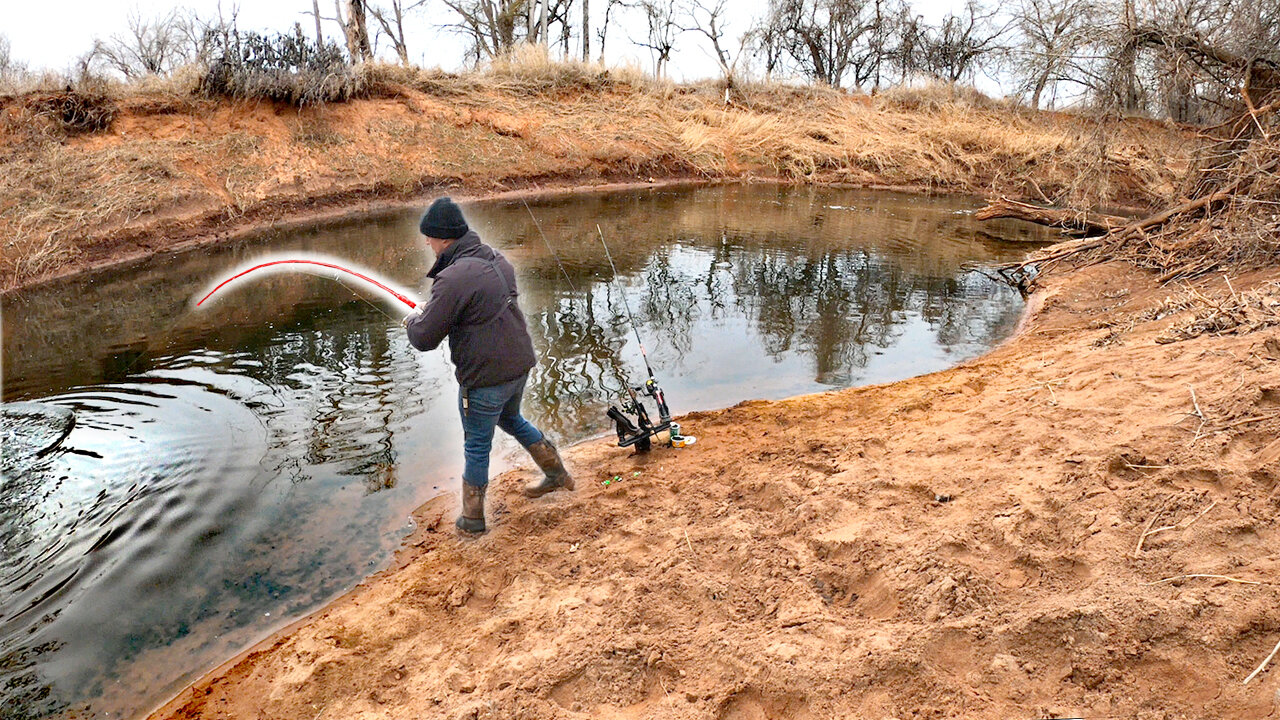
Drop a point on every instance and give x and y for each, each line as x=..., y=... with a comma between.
x=639, y=433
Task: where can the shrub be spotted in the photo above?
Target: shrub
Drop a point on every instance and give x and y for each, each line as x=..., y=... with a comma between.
x=282, y=68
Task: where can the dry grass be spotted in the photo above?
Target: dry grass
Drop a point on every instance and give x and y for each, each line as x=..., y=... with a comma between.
x=171, y=158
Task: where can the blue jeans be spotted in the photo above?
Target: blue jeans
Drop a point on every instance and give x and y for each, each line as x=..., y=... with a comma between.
x=484, y=408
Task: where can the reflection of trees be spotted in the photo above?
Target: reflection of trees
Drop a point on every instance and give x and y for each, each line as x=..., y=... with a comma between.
x=26, y=696
x=811, y=270
x=837, y=305
x=578, y=366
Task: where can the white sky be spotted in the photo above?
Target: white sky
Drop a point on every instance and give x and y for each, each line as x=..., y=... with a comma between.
x=52, y=36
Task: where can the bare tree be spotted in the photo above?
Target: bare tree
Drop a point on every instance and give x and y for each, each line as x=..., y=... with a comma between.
x=490, y=24
x=959, y=42
x=767, y=39
x=495, y=26
x=707, y=17
x=822, y=37
x=1052, y=35
x=603, y=33
x=11, y=71
x=6, y=57
x=660, y=16
x=884, y=37
x=393, y=27
x=149, y=47
x=1183, y=59
x=586, y=30
x=315, y=14
x=906, y=53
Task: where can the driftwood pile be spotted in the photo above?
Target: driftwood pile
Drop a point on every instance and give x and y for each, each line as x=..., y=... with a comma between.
x=1229, y=215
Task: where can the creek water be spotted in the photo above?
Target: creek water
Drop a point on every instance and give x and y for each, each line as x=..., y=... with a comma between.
x=236, y=466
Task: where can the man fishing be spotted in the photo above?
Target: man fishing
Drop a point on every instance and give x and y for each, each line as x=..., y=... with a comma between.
x=474, y=303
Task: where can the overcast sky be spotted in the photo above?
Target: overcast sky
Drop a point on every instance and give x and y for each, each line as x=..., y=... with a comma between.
x=53, y=35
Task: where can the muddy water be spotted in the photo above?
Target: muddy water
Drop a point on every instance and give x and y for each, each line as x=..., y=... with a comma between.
x=234, y=467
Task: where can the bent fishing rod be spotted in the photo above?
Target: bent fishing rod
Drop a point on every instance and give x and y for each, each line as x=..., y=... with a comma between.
x=306, y=262
x=636, y=433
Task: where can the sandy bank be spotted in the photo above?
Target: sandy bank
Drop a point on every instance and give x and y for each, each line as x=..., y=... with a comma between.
x=1009, y=538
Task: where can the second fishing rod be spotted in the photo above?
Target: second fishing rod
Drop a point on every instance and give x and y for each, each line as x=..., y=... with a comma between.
x=632, y=422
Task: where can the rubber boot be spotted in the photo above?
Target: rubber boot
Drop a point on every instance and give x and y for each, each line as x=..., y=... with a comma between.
x=472, y=518
x=556, y=477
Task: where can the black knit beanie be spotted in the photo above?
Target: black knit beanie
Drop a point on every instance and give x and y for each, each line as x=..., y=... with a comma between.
x=444, y=220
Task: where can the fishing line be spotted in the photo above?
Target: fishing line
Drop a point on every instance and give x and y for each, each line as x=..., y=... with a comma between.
x=363, y=299
x=625, y=305
x=618, y=373
x=548, y=244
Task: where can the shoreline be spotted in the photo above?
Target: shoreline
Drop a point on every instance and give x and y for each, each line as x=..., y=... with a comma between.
x=129, y=251
x=439, y=506
x=170, y=174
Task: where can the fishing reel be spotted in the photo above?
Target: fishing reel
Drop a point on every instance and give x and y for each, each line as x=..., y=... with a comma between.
x=639, y=433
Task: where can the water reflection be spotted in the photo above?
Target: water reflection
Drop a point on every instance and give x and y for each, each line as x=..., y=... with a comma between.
x=234, y=467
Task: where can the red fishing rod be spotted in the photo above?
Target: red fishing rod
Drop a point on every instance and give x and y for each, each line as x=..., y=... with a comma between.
x=300, y=261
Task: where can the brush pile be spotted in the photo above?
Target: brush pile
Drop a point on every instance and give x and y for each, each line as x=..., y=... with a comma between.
x=1229, y=312
x=73, y=111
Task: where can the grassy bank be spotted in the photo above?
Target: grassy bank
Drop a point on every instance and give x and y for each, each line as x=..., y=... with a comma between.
x=158, y=165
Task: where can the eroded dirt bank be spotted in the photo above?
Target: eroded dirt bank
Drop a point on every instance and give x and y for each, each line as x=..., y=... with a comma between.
x=966, y=544
x=172, y=170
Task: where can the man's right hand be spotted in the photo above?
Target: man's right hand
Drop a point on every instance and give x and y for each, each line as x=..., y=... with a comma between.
x=404, y=323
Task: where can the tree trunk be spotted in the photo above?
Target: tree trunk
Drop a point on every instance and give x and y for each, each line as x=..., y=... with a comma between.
x=1041, y=82
x=586, y=31
x=542, y=23
x=357, y=22
x=1073, y=221
x=604, y=26
x=1129, y=63
x=315, y=10
x=402, y=49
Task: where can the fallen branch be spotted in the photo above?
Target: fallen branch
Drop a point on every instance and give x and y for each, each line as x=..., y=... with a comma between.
x=1117, y=238
x=1081, y=222
x=1137, y=551
x=1246, y=421
x=1270, y=657
x=1197, y=414
x=1185, y=524
x=1197, y=575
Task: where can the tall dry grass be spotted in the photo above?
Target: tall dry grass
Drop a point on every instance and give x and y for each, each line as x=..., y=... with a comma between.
x=172, y=163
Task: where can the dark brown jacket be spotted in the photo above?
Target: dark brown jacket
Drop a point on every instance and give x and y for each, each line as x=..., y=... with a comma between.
x=473, y=303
